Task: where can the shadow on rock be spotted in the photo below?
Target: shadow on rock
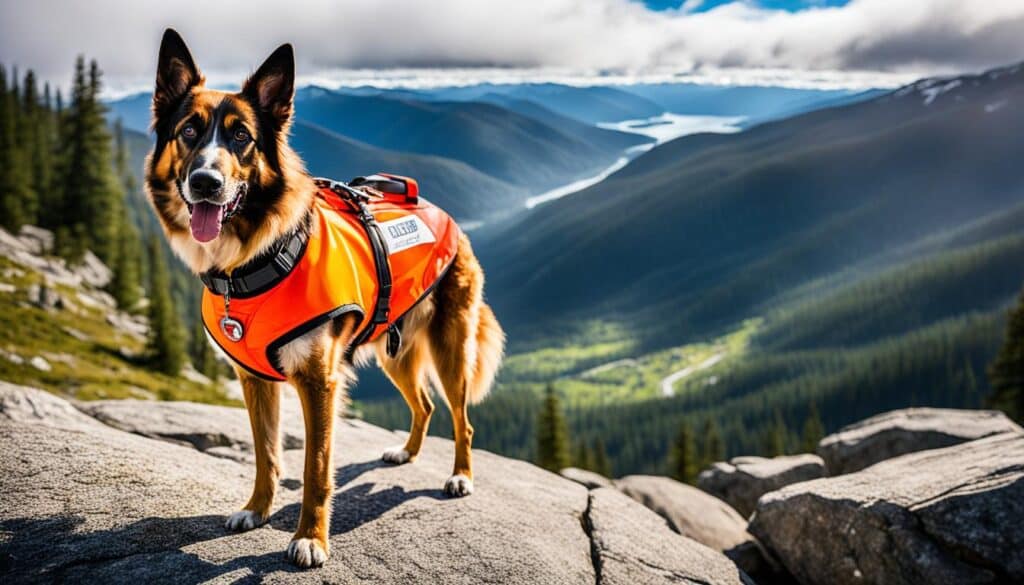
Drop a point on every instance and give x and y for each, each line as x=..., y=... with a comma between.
x=63, y=548
x=358, y=504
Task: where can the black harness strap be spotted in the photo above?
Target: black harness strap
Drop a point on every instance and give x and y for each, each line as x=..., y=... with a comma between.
x=252, y=280
x=382, y=305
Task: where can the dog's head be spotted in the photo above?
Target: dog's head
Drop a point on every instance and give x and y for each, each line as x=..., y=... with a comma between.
x=221, y=163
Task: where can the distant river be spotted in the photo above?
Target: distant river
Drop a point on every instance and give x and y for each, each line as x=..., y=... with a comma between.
x=662, y=128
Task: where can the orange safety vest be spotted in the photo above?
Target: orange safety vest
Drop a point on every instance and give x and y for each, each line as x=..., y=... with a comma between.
x=334, y=272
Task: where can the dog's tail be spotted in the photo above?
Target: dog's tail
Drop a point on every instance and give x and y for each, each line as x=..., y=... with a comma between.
x=490, y=346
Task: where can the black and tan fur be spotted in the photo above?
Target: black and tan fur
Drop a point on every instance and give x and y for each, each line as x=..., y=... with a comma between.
x=451, y=337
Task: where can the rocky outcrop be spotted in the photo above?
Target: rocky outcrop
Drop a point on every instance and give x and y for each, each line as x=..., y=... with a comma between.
x=699, y=516
x=742, y=480
x=587, y=479
x=217, y=430
x=950, y=515
x=31, y=248
x=688, y=510
x=85, y=501
x=904, y=431
x=633, y=546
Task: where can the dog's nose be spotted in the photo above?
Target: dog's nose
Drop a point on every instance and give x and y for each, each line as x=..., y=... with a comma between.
x=205, y=183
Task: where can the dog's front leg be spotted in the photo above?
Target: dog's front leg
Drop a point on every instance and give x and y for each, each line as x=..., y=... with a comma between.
x=318, y=393
x=263, y=401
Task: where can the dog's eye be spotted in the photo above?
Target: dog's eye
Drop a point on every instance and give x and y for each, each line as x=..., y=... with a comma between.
x=188, y=131
x=242, y=137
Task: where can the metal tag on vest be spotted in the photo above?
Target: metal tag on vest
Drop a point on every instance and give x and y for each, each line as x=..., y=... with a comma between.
x=232, y=328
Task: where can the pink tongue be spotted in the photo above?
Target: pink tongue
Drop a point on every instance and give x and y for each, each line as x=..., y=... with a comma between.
x=206, y=219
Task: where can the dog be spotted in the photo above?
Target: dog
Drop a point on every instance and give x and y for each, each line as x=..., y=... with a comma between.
x=229, y=152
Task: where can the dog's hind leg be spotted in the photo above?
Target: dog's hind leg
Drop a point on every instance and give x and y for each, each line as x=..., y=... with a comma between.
x=453, y=345
x=262, y=400
x=406, y=372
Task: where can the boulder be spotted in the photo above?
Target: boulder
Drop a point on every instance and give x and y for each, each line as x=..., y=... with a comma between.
x=36, y=240
x=93, y=271
x=950, y=515
x=633, y=546
x=134, y=326
x=588, y=479
x=203, y=426
x=688, y=510
x=45, y=297
x=40, y=363
x=898, y=432
x=742, y=480
x=85, y=501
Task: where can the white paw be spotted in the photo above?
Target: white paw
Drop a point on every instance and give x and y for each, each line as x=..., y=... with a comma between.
x=458, y=485
x=244, y=520
x=396, y=455
x=306, y=553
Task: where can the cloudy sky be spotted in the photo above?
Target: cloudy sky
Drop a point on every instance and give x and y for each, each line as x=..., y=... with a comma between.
x=826, y=43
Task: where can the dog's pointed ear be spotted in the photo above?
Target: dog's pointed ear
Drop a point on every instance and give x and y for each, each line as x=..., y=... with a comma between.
x=272, y=87
x=176, y=73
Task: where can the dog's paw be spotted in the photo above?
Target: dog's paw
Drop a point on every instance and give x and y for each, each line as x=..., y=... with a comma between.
x=243, y=520
x=458, y=485
x=307, y=552
x=396, y=455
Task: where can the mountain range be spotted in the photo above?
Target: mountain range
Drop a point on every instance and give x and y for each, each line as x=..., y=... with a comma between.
x=481, y=150
x=709, y=229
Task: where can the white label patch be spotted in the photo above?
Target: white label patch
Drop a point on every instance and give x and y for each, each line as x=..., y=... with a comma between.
x=405, y=232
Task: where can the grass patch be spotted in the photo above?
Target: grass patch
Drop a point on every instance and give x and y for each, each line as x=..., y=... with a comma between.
x=104, y=363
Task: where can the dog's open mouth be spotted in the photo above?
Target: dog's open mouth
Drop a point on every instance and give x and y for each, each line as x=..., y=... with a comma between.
x=207, y=218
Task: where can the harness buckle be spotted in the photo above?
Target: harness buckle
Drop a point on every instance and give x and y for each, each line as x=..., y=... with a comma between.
x=394, y=340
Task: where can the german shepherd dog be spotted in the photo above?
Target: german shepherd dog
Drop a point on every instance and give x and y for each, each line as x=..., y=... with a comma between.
x=231, y=150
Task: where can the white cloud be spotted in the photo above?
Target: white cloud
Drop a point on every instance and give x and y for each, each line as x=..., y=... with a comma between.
x=846, y=46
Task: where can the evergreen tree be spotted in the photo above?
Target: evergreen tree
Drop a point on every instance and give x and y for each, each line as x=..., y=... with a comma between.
x=552, y=435
x=713, y=450
x=684, y=460
x=91, y=195
x=584, y=457
x=777, y=435
x=127, y=268
x=202, y=353
x=16, y=197
x=166, y=345
x=1006, y=372
x=602, y=464
x=31, y=143
x=813, y=430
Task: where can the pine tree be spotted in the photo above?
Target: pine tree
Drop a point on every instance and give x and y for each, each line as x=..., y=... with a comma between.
x=91, y=196
x=15, y=182
x=31, y=143
x=814, y=430
x=1006, y=372
x=713, y=449
x=127, y=268
x=203, y=358
x=584, y=457
x=777, y=435
x=602, y=464
x=552, y=435
x=166, y=345
x=684, y=460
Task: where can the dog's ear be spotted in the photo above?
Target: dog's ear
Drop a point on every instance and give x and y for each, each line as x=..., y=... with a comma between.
x=272, y=87
x=176, y=74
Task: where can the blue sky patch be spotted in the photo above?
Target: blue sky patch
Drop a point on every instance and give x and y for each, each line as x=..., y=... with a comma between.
x=788, y=5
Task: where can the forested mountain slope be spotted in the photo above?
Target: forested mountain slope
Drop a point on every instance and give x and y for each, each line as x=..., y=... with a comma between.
x=705, y=230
